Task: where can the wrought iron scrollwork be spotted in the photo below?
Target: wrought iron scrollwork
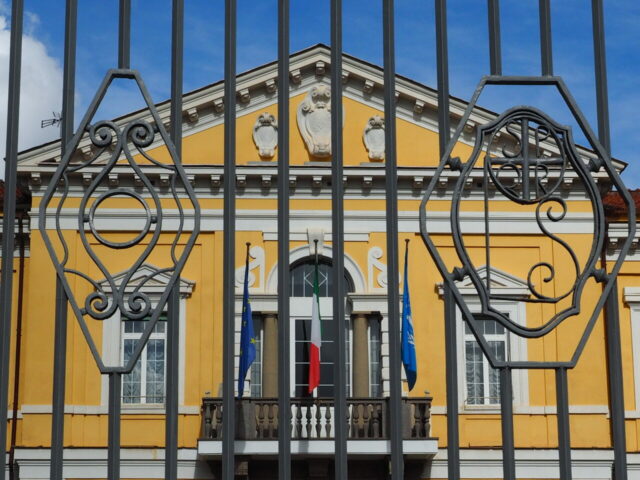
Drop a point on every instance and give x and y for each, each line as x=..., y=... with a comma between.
x=526, y=158
x=118, y=148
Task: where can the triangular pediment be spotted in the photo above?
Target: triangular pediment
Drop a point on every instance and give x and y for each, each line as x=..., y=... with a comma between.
x=155, y=281
x=502, y=283
x=363, y=82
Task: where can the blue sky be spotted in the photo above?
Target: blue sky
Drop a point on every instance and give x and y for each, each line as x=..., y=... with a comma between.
x=415, y=50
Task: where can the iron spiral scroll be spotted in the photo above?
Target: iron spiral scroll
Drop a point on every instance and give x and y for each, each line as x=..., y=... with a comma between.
x=118, y=147
x=526, y=159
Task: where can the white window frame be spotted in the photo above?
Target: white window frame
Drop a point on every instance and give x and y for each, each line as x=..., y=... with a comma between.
x=260, y=358
x=632, y=299
x=326, y=304
x=375, y=318
x=112, y=354
x=143, y=360
x=516, y=350
x=112, y=337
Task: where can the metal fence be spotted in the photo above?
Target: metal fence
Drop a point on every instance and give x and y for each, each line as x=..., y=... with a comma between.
x=140, y=134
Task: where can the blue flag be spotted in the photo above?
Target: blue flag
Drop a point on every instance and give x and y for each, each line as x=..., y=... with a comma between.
x=408, y=348
x=247, y=337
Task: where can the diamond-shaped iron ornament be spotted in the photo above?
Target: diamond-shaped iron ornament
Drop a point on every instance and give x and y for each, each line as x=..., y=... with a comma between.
x=109, y=141
x=528, y=175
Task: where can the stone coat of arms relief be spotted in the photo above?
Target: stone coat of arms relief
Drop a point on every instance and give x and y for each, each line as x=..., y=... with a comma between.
x=314, y=121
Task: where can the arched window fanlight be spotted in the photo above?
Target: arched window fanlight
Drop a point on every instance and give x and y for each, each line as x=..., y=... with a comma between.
x=302, y=278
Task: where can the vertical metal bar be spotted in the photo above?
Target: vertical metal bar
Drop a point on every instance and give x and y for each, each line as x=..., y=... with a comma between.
x=60, y=342
x=113, y=449
x=564, y=432
x=69, y=79
x=495, y=54
x=616, y=388
x=600, y=60
x=59, y=378
x=9, y=218
x=177, y=47
x=391, y=188
x=546, y=51
x=173, y=317
x=337, y=222
x=13, y=470
x=451, y=361
x=171, y=401
x=284, y=278
x=442, y=55
x=612, y=316
x=506, y=407
x=124, y=35
x=229, y=232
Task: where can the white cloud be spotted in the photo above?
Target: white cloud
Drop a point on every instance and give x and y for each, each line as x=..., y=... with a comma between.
x=41, y=87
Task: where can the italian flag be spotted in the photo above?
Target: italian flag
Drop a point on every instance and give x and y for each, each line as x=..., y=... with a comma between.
x=316, y=336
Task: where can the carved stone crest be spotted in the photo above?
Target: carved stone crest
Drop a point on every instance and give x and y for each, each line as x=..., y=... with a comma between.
x=314, y=121
x=265, y=135
x=373, y=137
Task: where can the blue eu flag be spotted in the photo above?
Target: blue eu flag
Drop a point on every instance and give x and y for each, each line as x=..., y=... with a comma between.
x=408, y=348
x=247, y=337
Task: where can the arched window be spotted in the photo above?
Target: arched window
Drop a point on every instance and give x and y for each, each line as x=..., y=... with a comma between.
x=302, y=278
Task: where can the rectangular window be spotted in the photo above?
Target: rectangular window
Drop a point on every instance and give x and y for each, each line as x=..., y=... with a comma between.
x=375, y=358
x=483, y=381
x=145, y=384
x=302, y=340
x=256, y=366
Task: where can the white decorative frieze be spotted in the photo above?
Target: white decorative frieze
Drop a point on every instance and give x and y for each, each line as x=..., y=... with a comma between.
x=256, y=262
x=314, y=121
x=265, y=135
x=376, y=270
x=373, y=137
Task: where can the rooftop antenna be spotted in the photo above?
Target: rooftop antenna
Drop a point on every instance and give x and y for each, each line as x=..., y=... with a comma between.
x=49, y=122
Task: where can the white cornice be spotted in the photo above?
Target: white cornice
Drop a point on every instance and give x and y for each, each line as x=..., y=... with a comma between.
x=310, y=181
x=356, y=221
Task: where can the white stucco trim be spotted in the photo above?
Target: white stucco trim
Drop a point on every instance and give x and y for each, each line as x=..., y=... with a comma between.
x=424, y=448
x=301, y=252
x=631, y=296
x=103, y=410
x=517, y=350
x=540, y=410
x=87, y=463
x=356, y=221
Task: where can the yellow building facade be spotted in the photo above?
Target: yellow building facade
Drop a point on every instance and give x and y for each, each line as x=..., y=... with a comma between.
x=516, y=245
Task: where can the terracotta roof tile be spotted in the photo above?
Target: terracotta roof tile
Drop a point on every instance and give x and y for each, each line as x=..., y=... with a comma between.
x=615, y=208
x=23, y=196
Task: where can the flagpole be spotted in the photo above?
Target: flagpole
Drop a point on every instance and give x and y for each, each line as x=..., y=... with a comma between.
x=316, y=246
x=407, y=347
x=315, y=340
x=247, y=339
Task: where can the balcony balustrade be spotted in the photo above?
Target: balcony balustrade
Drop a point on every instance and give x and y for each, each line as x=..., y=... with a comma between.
x=313, y=418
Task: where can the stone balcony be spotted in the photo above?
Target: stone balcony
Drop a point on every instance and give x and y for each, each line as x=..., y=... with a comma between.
x=312, y=422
